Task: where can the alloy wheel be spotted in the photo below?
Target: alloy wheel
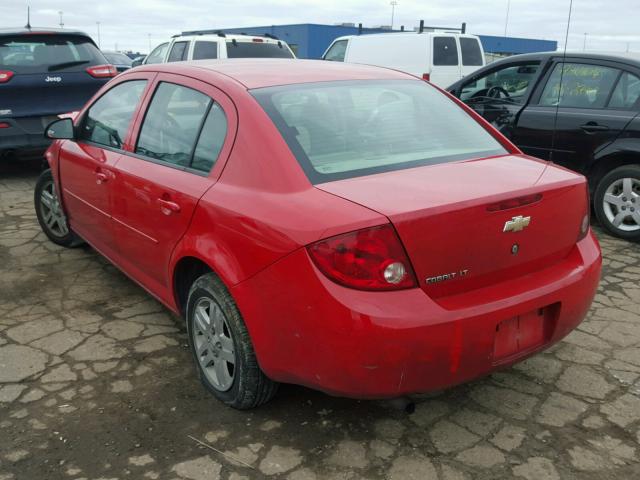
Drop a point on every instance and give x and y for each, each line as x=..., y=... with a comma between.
x=51, y=211
x=213, y=343
x=621, y=204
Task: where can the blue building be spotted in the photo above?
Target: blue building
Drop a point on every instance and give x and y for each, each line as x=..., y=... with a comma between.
x=310, y=40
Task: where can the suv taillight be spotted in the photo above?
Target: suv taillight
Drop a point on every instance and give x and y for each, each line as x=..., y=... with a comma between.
x=368, y=259
x=5, y=75
x=102, y=71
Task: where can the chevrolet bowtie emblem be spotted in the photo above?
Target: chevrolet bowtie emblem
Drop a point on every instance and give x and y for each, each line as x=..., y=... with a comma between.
x=516, y=224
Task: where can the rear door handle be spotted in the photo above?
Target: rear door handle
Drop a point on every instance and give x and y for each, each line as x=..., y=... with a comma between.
x=168, y=207
x=592, y=127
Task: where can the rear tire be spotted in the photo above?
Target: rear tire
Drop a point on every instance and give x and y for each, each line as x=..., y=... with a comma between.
x=50, y=213
x=617, y=202
x=222, y=348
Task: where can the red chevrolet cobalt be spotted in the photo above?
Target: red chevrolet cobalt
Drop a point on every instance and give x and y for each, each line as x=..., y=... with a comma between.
x=349, y=228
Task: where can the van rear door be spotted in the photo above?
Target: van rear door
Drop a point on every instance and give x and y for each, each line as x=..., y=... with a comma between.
x=471, y=54
x=445, y=60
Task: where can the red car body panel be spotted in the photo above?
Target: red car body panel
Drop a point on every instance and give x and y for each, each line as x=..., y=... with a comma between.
x=251, y=218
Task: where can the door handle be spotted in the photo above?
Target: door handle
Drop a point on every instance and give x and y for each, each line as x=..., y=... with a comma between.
x=101, y=178
x=168, y=207
x=592, y=127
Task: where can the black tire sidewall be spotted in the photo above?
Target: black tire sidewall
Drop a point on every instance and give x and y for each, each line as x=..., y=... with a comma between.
x=70, y=239
x=628, y=171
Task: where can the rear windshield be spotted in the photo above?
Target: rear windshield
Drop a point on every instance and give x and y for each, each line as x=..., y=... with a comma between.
x=47, y=53
x=117, y=58
x=348, y=129
x=257, y=50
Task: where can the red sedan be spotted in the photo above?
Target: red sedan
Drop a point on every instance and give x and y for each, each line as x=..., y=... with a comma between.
x=349, y=228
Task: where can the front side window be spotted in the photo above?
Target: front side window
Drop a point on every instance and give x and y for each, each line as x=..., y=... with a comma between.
x=203, y=50
x=471, y=52
x=579, y=85
x=157, y=55
x=178, y=52
x=172, y=124
x=107, y=120
x=337, y=51
x=627, y=93
x=511, y=83
x=353, y=128
x=445, y=52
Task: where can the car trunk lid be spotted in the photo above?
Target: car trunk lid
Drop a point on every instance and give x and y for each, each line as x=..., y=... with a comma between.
x=461, y=222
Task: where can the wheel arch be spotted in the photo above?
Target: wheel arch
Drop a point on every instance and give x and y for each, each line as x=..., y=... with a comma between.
x=185, y=271
x=611, y=158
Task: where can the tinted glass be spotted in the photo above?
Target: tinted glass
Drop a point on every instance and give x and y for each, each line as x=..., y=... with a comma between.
x=172, y=124
x=257, y=50
x=445, y=51
x=353, y=128
x=471, y=53
x=337, y=51
x=108, y=119
x=515, y=81
x=583, y=86
x=158, y=53
x=202, y=50
x=47, y=53
x=211, y=139
x=627, y=92
x=117, y=58
x=178, y=52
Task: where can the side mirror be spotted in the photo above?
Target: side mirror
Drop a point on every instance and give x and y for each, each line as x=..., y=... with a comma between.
x=60, y=130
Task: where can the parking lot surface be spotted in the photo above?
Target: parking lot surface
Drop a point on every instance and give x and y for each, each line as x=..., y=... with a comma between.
x=97, y=382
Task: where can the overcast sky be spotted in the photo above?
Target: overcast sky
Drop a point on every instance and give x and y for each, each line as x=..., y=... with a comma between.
x=134, y=24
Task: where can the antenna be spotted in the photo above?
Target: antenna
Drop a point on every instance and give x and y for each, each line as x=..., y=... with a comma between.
x=564, y=56
x=28, y=25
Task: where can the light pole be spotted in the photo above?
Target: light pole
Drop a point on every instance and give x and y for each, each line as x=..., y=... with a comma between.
x=393, y=10
x=61, y=22
x=584, y=43
x=98, y=24
x=506, y=19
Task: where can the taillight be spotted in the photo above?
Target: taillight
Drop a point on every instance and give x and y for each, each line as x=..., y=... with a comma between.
x=5, y=125
x=5, y=75
x=367, y=259
x=102, y=71
x=586, y=219
x=426, y=76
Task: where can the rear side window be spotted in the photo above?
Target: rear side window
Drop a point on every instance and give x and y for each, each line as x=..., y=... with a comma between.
x=627, y=92
x=471, y=52
x=348, y=129
x=337, y=51
x=211, y=139
x=202, y=50
x=108, y=119
x=237, y=49
x=579, y=85
x=445, y=51
x=172, y=124
x=48, y=53
x=178, y=52
x=157, y=55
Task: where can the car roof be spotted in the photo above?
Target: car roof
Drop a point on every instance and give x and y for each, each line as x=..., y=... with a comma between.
x=41, y=31
x=225, y=37
x=624, y=57
x=269, y=72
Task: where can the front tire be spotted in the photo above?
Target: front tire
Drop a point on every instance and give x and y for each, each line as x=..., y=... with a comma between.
x=617, y=202
x=50, y=213
x=222, y=348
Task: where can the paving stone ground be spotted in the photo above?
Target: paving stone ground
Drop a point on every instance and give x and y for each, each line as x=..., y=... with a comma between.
x=96, y=382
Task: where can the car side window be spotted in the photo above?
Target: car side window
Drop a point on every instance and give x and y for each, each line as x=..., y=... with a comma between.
x=337, y=51
x=211, y=140
x=445, y=51
x=203, y=49
x=578, y=85
x=626, y=95
x=471, y=52
x=108, y=119
x=157, y=55
x=178, y=52
x=515, y=80
x=172, y=124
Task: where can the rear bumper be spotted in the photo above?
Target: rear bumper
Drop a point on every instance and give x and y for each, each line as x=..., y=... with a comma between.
x=309, y=331
x=25, y=136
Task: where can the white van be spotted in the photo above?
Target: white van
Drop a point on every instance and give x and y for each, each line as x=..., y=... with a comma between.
x=200, y=46
x=440, y=57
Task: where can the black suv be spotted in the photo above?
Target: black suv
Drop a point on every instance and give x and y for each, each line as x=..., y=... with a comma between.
x=597, y=128
x=44, y=73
